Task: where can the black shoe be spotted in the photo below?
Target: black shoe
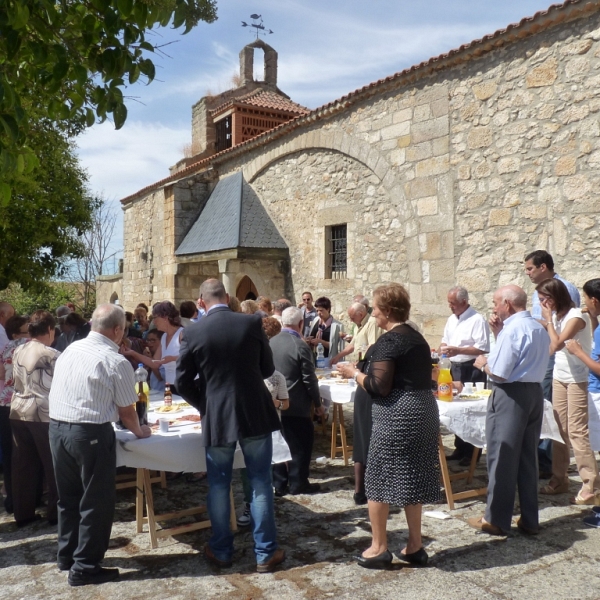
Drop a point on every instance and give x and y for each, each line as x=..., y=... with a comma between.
x=456, y=455
x=102, y=575
x=381, y=561
x=281, y=492
x=360, y=499
x=416, y=558
x=307, y=488
x=24, y=522
x=65, y=565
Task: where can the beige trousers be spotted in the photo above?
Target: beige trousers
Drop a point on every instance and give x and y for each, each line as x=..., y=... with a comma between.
x=570, y=403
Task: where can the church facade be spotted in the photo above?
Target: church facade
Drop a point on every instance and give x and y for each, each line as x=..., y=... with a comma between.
x=446, y=173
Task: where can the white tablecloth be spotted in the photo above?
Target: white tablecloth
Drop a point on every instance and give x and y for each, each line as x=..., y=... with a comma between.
x=179, y=450
x=340, y=393
x=466, y=419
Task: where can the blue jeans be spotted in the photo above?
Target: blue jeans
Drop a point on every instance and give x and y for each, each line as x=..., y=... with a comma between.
x=258, y=452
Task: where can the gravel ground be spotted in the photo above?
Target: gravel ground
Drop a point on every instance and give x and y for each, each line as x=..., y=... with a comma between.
x=320, y=534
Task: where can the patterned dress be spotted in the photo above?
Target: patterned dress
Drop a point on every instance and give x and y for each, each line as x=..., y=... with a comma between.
x=403, y=464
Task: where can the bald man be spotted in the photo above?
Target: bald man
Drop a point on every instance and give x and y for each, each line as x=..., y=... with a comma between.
x=516, y=365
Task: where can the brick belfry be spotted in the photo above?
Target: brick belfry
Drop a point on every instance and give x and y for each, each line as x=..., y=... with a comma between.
x=225, y=120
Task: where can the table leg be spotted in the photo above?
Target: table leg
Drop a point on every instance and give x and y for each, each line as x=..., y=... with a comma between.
x=334, y=414
x=232, y=517
x=139, y=500
x=343, y=436
x=445, y=474
x=150, y=509
x=163, y=480
x=473, y=465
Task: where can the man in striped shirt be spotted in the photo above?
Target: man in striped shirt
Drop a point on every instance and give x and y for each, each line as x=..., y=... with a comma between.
x=93, y=386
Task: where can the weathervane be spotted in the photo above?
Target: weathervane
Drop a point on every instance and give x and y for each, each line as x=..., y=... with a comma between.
x=258, y=25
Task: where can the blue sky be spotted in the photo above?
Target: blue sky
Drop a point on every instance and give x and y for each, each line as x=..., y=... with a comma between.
x=326, y=49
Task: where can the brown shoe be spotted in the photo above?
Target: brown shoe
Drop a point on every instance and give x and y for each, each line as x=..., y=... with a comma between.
x=527, y=530
x=580, y=500
x=549, y=489
x=217, y=562
x=269, y=566
x=479, y=523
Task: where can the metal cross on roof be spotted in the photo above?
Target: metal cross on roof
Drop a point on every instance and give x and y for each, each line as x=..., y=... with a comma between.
x=258, y=25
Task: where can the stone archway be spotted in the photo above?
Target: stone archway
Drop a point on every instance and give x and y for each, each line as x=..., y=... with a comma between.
x=246, y=290
x=114, y=298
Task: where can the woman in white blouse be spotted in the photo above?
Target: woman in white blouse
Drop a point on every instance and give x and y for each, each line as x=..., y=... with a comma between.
x=564, y=321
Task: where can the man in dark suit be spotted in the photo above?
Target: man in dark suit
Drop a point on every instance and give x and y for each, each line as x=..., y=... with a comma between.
x=230, y=355
x=294, y=360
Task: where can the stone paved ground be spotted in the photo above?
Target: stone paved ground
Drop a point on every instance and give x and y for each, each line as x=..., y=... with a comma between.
x=320, y=534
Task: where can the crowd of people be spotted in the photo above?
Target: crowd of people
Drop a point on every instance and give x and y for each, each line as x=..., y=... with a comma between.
x=249, y=368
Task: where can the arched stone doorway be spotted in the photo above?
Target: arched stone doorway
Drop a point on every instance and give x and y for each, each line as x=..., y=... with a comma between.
x=246, y=290
x=114, y=298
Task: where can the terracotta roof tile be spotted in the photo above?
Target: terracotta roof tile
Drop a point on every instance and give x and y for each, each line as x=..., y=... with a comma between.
x=264, y=99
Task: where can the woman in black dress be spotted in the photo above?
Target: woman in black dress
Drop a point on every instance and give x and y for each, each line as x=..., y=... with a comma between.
x=403, y=465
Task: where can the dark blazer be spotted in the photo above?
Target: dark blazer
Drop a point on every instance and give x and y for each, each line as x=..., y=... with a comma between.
x=294, y=360
x=230, y=353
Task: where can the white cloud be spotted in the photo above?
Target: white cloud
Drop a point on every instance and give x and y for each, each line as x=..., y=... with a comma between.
x=122, y=162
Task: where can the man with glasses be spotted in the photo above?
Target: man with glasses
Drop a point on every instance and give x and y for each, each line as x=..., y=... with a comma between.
x=309, y=312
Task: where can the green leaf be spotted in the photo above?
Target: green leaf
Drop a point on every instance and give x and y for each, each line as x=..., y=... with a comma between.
x=147, y=46
x=80, y=73
x=20, y=163
x=4, y=194
x=125, y=7
x=147, y=68
x=90, y=117
x=140, y=14
x=60, y=70
x=10, y=126
x=120, y=115
x=134, y=73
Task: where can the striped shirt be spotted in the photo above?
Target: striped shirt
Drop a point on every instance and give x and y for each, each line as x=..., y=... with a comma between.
x=91, y=380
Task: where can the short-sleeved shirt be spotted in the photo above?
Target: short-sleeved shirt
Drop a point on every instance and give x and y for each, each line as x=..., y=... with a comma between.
x=468, y=329
x=521, y=351
x=91, y=381
x=536, y=307
x=277, y=386
x=567, y=367
x=594, y=380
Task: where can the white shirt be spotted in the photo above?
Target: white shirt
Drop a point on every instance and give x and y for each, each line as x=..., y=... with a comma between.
x=567, y=367
x=277, y=385
x=171, y=350
x=91, y=380
x=3, y=338
x=470, y=329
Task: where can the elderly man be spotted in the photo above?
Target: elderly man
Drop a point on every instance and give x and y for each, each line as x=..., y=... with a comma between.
x=6, y=312
x=516, y=365
x=279, y=306
x=363, y=300
x=294, y=360
x=539, y=266
x=364, y=333
x=466, y=336
x=93, y=386
x=223, y=362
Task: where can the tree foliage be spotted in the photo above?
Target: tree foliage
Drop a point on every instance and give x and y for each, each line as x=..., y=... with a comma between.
x=40, y=230
x=49, y=296
x=76, y=56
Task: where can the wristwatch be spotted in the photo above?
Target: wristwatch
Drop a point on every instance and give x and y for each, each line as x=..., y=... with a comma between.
x=280, y=404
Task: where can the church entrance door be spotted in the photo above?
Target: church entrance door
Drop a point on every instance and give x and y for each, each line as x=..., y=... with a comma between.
x=246, y=290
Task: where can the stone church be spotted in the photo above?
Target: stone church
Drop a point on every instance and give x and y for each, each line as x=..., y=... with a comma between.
x=445, y=173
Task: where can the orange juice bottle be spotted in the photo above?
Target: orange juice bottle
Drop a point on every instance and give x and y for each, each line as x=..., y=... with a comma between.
x=444, y=380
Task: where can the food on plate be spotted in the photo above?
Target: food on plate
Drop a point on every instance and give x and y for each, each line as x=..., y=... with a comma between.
x=166, y=409
x=342, y=381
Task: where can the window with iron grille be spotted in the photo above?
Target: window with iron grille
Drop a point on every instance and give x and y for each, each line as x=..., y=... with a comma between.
x=337, y=251
x=224, y=134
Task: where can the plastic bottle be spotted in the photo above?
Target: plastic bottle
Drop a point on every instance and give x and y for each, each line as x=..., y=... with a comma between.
x=444, y=380
x=435, y=359
x=320, y=356
x=141, y=406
